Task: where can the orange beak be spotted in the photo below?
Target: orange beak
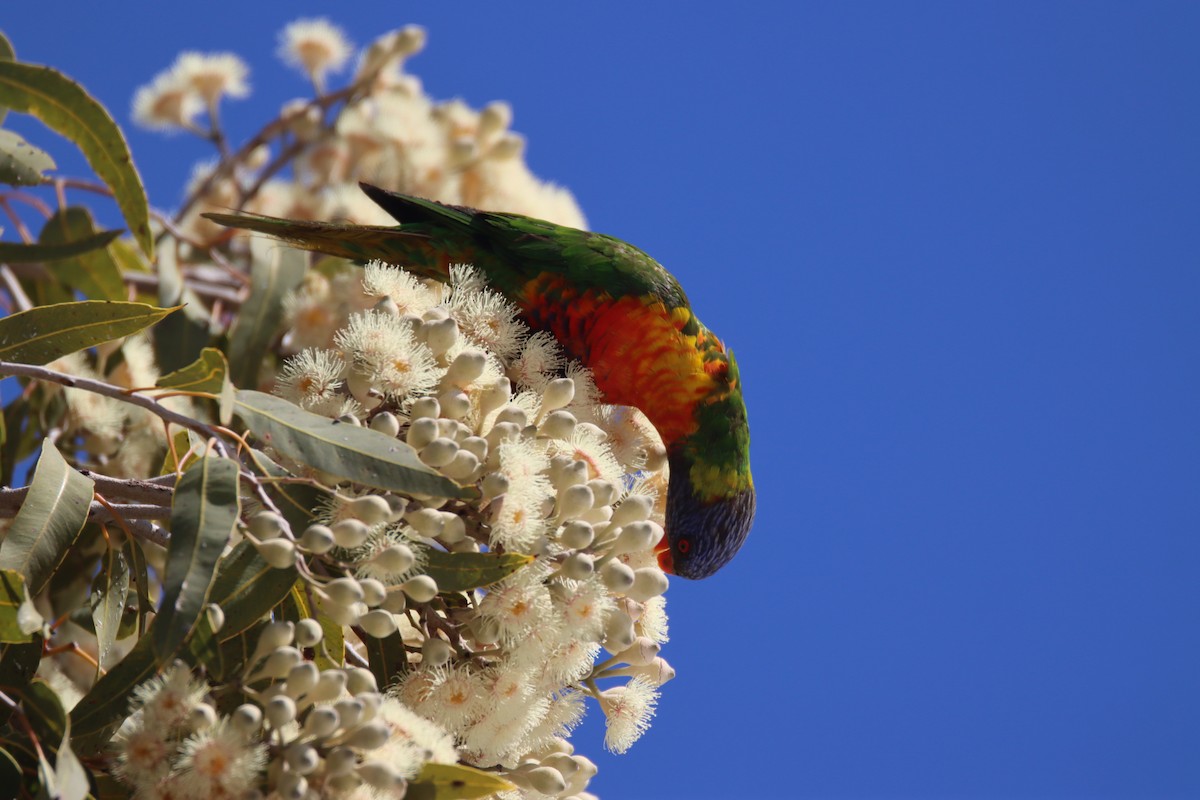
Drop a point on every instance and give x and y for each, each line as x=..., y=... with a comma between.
x=666, y=562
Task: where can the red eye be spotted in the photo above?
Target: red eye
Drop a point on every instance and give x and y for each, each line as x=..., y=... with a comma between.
x=683, y=546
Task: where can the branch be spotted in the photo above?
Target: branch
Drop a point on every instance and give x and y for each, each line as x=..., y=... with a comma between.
x=115, y=392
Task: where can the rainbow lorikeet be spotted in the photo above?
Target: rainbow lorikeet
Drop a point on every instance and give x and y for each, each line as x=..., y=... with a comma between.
x=614, y=309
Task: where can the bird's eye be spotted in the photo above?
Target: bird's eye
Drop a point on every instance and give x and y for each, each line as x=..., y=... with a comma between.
x=683, y=545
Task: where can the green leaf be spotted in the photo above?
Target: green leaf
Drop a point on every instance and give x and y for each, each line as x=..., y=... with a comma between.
x=42, y=334
x=15, y=253
x=18, y=664
x=141, y=581
x=105, y=706
x=50, y=519
x=92, y=271
x=45, y=713
x=209, y=374
x=359, y=454
x=246, y=588
x=179, y=340
x=110, y=591
x=204, y=513
x=331, y=652
x=271, y=278
x=21, y=164
x=461, y=572
x=454, y=782
x=19, y=620
x=65, y=107
x=387, y=659
x=296, y=501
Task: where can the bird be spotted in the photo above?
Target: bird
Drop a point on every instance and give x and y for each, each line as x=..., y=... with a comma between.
x=614, y=309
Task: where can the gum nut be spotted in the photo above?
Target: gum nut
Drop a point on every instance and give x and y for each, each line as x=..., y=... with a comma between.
x=350, y=533
x=386, y=423
x=317, y=539
x=279, y=553
x=439, y=452
x=634, y=508
x=267, y=525
x=309, y=633
x=421, y=589
x=371, y=509
x=421, y=432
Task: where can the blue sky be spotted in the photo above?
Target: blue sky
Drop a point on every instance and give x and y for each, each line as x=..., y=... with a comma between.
x=955, y=248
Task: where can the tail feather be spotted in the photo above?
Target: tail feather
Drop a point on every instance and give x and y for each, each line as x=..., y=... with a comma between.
x=355, y=242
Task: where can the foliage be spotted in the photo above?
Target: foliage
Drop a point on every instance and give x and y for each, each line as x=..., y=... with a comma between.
x=301, y=528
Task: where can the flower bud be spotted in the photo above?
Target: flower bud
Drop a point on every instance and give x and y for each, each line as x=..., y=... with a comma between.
x=641, y=652
x=350, y=533
x=317, y=539
x=421, y=589
x=574, y=500
x=379, y=775
x=302, y=758
x=301, y=678
x=494, y=485
x=558, y=394
x=280, y=710
x=386, y=423
x=514, y=414
x=395, y=601
x=508, y=146
x=465, y=368
x=578, y=566
x=573, y=474
x=350, y=711
x=370, y=509
x=440, y=335
x=202, y=717
x=322, y=721
x=547, y=780
x=330, y=686
x=454, y=529
x=378, y=623
x=280, y=662
x=558, y=425
x=439, y=452
x=494, y=396
x=279, y=553
x=275, y=634
x=426, y=521
x=461, y=466
x=395, y=559
x=604, y=491
x=340, y=760
x=648, y=582
x=369, y=736
x=267, y=525
x=576, y=535
x=247, y=718
x=617, y=576
x=455, y=404
x=634, y=508
x=435, y=652
x=373, y=591
x=216, y=617
x=344, y=591
x=360, y=680
x=425, y=408
x=421, y=432
x=637, y=536
x=618, y=633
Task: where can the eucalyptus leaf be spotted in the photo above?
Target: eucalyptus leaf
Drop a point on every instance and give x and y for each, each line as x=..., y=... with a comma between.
x=208, y=374
x=204, y=513
x=10, y=769
x=95, y=717
x=180, y=339
x=19, y=620
x=64, y=106
x=386, y=658
x=258, y=322
x=358, y=454
x=42, y=334
x=18, y=664
x=110, y=591
x=247, y=587
x=21, y=164
x=17, y=253
x=49, y=521
x=44, y=710
x=90, y=269
x=296, y=501
x=462, y=572
x=454, y=782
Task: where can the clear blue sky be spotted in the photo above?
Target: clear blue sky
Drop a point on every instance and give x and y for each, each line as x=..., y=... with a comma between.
x=956, y=247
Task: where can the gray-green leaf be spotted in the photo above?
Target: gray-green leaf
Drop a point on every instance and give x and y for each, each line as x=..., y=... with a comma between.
x=358, y=454
x=92, y=271
x=19, y=620
x=21, y=164
x=50, y=519
x=64, y=105
x=271, y=278
x=42, y=334
x=462, y=572
x=110, y=591
x=204, y=513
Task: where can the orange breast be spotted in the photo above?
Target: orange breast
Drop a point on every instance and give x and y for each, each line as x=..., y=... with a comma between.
x=634, y=347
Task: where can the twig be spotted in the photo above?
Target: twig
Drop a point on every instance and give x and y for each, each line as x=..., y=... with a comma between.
x=115, y=392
